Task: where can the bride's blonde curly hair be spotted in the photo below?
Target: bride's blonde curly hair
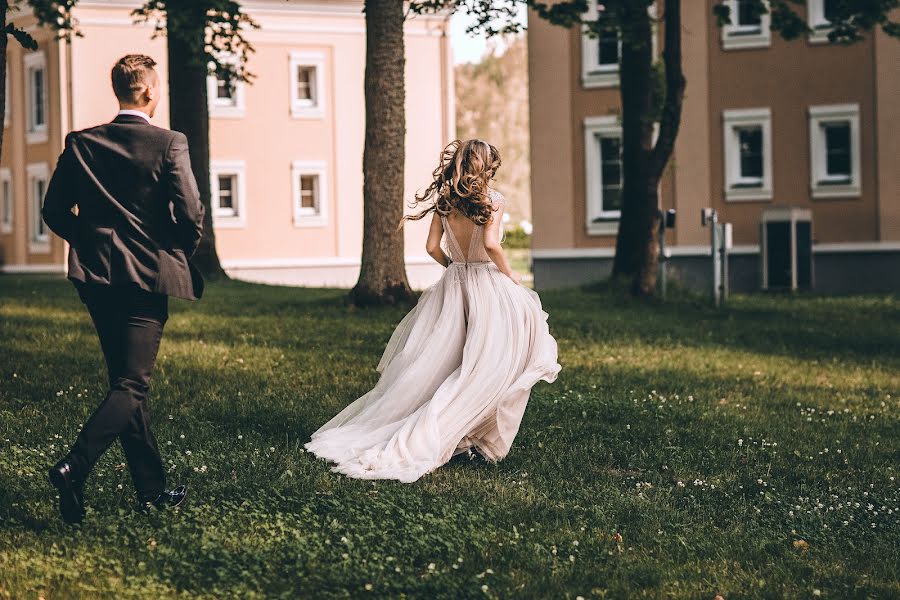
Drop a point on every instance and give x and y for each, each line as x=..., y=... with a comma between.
x=461, y=182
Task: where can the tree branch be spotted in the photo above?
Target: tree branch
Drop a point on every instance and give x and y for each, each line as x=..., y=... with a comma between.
x=675, y=85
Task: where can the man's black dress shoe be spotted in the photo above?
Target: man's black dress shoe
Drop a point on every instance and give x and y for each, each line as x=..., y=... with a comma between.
x=168, y=499
x=71, y=493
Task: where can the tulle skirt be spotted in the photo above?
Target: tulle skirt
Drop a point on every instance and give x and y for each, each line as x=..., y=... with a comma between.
x=456, y=374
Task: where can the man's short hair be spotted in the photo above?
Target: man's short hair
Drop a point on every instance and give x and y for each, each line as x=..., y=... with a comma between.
x=130, y=75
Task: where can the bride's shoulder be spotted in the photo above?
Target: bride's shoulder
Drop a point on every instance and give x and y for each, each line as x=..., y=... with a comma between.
x=496, y=197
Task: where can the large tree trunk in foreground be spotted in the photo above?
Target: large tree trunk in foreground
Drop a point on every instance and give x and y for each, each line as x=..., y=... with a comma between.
x=382, y=276
x=637, y=244
x=189, y=114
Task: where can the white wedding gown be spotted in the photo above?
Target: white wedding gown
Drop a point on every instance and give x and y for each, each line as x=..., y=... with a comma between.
x=456, y=374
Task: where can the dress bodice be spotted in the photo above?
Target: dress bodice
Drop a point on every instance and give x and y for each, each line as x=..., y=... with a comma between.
x=474, y=252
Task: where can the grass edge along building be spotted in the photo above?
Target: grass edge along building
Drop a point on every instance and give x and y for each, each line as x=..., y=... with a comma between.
x=771, y=129
x=285, y=152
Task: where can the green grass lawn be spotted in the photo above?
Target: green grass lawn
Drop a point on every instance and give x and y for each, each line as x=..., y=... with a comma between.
x=682, y=453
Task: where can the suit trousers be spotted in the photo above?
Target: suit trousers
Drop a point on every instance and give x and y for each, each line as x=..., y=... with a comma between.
x=129, y=322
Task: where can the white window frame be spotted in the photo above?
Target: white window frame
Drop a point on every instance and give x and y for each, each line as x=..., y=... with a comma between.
x=593, y=74
x=301, y=108
x=35, y=134
x=819, y=115
x=238, y=170
x=37, y=243
x=304, y=217
x=234, y=108
x=7, y=219
x=594, y=127
x=741, y=118
x=815, y=18
x=735, y=37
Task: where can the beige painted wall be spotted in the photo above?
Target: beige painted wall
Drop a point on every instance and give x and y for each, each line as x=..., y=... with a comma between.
x=887, y=131
x=17, y=154
x=788, y=78
x=553, y=164
x=267, y=138
x=691, y=159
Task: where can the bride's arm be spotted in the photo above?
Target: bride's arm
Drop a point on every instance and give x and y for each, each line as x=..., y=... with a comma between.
x=433, y=244
x=494, y=249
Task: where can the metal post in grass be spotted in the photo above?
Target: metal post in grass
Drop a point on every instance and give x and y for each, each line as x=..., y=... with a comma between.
x=666, y=221
x=719, y=242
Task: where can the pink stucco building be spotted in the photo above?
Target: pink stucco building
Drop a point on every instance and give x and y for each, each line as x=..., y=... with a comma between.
x=286, y=151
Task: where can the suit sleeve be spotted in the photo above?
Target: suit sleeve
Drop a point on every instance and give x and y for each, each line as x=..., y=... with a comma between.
x=184, y=195
x=61, y=195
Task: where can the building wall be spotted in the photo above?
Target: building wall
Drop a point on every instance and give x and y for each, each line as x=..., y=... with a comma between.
x=17, y=252
x=266, y=138
x=559, y=106
x=887, y=124
x=788, y=77
x=553, y=165
x=785, y=77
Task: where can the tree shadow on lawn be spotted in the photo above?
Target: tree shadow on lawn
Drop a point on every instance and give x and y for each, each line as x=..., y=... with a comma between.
x=857, y=330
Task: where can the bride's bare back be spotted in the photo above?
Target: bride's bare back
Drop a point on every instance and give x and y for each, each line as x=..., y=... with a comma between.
x=469, y=235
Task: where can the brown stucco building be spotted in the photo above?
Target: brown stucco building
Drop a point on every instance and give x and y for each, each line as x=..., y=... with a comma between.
x=767, y=124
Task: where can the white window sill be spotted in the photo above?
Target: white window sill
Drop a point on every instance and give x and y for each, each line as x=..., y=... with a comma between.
x=601, y=79
x=227, y=112
x=603, y=228
x=229, y=222
x=6, y=228
x=307, y=111
x=311, y=221
x=36, y=137
x=820, y=35
x=747, y=194
x=39, y=247
x=731, y=41
x=836, y=191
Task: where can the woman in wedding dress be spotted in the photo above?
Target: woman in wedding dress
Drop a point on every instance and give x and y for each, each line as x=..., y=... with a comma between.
x=458, y=370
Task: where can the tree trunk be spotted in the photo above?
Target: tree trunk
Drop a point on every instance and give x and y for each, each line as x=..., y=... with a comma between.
x=4, y=42
x=637, y=245
x=189, y=114
x=382, y=276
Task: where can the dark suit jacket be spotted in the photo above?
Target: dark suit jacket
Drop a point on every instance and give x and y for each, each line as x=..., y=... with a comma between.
x=139, y=213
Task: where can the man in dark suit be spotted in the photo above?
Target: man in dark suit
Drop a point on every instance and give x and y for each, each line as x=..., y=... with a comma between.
x=139, y=219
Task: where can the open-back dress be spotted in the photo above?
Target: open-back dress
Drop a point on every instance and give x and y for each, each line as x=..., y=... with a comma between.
x=456, y=373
